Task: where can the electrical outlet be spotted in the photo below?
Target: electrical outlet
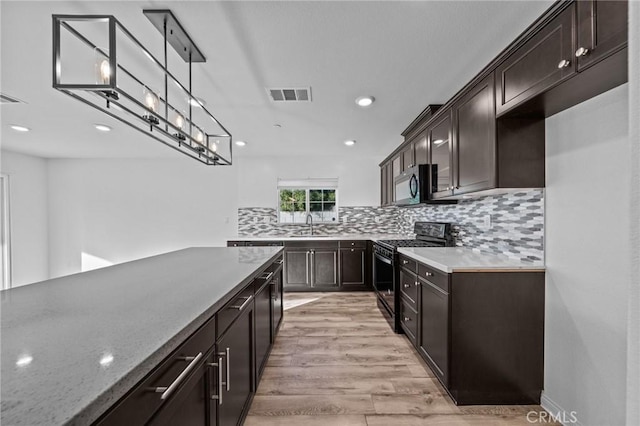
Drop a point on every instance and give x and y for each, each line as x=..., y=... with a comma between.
x=486, y=223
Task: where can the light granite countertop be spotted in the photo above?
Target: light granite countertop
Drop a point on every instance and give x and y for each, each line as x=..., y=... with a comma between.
x=340, y=237
x=73, y=346
x=460, y=259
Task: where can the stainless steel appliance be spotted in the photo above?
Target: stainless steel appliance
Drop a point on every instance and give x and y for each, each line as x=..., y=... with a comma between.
x=415, y=186
x=386, y=269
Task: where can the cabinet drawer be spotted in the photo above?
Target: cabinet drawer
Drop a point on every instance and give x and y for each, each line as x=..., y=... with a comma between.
x=353, y=244
x=233, y=309
x=409, y=321
x=434, y=276
x=312, y=244
x=138, y=406
x=409, y=287
x=408, y=264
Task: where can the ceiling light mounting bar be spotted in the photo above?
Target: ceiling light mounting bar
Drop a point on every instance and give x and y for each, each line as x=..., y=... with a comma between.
x=200, y=139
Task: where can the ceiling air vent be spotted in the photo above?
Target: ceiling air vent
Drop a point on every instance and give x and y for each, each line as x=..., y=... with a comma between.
x=298, y=94
x=6, y=99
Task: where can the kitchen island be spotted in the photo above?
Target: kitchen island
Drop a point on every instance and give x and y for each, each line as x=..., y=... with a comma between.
x=74, y=346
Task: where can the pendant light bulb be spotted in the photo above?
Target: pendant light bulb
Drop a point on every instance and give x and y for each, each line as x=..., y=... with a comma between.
x=179, y=120
x=150, y=100
x=103, y=68
x=199, y=136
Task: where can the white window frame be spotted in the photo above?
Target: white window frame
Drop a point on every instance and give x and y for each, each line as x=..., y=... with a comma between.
x=5, y=232
x=307, y=185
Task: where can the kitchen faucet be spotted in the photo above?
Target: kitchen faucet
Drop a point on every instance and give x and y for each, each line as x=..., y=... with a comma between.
x=310, y=222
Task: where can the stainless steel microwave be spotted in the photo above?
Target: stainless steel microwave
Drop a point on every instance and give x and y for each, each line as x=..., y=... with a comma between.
x=414, y=186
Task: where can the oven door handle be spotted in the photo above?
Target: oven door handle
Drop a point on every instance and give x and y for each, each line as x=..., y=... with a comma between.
x=384, y=259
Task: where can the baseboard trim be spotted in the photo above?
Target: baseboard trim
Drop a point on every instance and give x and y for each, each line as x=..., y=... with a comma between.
x=551, y=407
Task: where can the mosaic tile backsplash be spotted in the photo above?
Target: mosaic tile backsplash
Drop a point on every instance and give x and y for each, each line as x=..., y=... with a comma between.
x=516, y=226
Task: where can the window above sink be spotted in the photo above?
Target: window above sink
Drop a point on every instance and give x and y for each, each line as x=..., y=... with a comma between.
x=297, y=199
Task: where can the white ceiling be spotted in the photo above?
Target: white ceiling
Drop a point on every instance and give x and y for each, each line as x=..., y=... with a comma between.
x=406, y=54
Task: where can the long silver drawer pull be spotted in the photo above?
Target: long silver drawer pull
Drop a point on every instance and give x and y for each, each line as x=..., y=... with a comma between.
x=245, y=303
x=228, y=369
x=220, y=381
x=267, y=277
x=167, y=391
x=280, y=262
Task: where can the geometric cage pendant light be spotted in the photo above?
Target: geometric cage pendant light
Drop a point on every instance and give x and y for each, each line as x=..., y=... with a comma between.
x=99, y=62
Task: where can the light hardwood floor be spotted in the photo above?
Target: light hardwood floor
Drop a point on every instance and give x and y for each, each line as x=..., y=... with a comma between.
x=336, y=362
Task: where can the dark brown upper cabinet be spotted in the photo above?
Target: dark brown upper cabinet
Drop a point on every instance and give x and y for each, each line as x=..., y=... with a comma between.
x=421, y=150
x=602, y=30
x=396, y=166
x=543, y=61
x=440, y=140
x=408, y=157
x=474, y=137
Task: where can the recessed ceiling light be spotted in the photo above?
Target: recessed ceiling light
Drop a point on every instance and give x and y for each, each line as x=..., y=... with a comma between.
x=350, y=143
x=365, y=101
x=103, y=128
x=20, y=128
x=241, y=143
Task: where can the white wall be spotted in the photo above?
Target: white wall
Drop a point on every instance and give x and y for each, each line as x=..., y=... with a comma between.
x=28, y=211
x=359, y=178
x=633, y=321
x=106, y=211
x=587, y=220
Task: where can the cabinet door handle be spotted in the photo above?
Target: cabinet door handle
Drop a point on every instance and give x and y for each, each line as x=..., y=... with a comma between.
x=405, y=285
x=246, y=301
x=353, y=244
x=417, y=283
x=267, y=276
x=280, y=261
x=428, y=274
x=168, y=390
x=220, y=381
x=226, y=354
x=404, y=262
x=563, y=64
x=352, y=250
x=582, y=51
x=407, y=319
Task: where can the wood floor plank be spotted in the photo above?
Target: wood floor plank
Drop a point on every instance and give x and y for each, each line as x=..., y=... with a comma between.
x=325, y=386
x=269, y=405
x=326, y=420
x=429, y=403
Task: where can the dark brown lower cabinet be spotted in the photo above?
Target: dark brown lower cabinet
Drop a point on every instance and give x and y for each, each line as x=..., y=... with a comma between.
x=482, y=334
x=235, y=349
x=277, y=304
x=263, y=310
x=434, y=330
x=353, y=267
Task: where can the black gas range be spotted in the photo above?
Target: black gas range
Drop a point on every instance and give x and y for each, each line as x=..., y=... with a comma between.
x=386, y=270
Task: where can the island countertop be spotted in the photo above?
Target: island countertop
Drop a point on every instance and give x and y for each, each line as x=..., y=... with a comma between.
x=461, y=259
x=73, y=346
